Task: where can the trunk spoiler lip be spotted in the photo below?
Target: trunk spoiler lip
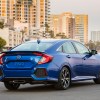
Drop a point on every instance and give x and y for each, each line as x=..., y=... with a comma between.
x=11, y=52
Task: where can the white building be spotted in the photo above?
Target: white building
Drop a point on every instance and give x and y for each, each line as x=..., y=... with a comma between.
x=12, y=37
x=95, y=36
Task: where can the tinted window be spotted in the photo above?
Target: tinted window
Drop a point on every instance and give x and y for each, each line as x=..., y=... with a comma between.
x=68, y=48
x=32, y=47
x=81, y=48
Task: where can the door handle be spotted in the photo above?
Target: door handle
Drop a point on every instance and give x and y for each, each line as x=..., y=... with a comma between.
x=68, y=56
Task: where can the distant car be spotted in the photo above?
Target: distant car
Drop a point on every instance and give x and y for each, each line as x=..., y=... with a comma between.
x=57, y=62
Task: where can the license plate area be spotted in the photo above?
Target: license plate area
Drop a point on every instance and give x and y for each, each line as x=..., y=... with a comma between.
x=20, y=65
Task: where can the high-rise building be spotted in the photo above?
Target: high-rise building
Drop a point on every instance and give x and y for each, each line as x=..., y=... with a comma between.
x=34, y=12
x=67, y=24
x=23, y=10
x=42, y=14
x=95, y=36
x=73, y=26
x=7, y=10
x=54, y=24
x=63, y=23
x=3, y=10
x=81, y=28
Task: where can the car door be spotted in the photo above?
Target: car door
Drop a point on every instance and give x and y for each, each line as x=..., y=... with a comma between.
x=72, y=57
x=89, y=61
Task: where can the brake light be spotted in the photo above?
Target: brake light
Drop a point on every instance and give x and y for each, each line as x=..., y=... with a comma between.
x=1, y=61
x=45, y=58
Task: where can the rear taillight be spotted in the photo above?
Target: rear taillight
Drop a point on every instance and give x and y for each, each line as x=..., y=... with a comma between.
x=44, y=58
x=1, y=56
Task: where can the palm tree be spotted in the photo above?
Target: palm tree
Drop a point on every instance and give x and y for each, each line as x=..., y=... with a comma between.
x=23, y=33
x=1, y=25
x=62, y=35
x=51, y=33
x=47, y=28
x=2, y=43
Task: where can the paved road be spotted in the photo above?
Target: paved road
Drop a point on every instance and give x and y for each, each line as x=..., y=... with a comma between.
x=78, y=91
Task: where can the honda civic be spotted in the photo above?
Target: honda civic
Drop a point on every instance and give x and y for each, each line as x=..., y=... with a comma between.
x=58, y=62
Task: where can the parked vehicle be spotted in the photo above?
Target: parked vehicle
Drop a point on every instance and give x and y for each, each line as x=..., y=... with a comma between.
x=57, y=62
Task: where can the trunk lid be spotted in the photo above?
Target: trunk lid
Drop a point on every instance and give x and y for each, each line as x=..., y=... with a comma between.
x=21, y=59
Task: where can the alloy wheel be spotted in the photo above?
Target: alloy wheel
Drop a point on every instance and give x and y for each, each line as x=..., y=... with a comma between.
x=65, y=78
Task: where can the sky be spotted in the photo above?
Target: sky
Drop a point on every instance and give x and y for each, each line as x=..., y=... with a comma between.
x=90, y=7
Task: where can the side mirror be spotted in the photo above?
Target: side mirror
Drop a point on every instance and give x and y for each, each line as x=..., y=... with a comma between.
x=93, y=52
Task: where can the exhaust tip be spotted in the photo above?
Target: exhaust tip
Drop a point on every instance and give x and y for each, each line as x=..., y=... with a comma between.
x=18, y=81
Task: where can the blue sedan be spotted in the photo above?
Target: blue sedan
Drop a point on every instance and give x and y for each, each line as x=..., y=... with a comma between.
x=57, y=62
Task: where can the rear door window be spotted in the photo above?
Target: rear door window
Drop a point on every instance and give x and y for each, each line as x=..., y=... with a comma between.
x=69, y=48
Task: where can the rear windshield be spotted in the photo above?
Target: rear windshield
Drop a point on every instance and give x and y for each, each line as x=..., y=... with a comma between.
x=32, y=47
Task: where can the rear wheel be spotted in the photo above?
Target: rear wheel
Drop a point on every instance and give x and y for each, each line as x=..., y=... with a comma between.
x=64, y=80
x=11, y=86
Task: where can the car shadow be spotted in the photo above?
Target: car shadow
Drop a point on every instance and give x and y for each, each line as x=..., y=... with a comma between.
x=50, y=88
x=35, y=88
x=82, y=84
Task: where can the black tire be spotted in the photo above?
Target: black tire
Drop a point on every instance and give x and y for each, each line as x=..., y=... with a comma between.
x=11, y=86
x=64, y=80
x=97, y=81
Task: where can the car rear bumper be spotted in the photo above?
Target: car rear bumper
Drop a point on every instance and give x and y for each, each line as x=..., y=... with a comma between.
x=27, y=80
x=24, y=76
x=51, y=73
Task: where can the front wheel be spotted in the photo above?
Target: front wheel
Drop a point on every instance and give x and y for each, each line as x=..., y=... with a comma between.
x=64, y=80
x=11, y=86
